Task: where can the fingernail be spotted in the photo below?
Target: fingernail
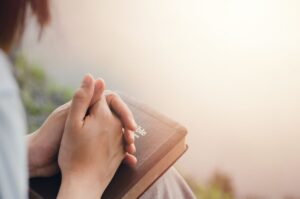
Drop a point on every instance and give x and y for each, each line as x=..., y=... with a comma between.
x=86, y=80
x=130, y=149
x=132, y=135
x=133, y=149
x=134, y=124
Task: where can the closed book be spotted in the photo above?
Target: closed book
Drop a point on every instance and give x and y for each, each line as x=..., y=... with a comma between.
x=159, y=141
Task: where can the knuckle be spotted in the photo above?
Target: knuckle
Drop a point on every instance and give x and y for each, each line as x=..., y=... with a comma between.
x=63, y=108
x=113, y=96
x=116, y=95
x=107, y=91
x=79, y=95
x=74, y=125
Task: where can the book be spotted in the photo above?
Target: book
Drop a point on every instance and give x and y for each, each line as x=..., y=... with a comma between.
x=159, y=141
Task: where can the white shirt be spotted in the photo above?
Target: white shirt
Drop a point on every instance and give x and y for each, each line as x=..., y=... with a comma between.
x=13, y=158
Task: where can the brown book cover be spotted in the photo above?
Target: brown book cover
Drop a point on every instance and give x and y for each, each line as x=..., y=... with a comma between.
x=160, y=141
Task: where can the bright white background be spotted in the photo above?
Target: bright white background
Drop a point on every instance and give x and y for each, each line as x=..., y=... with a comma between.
x=227, y=69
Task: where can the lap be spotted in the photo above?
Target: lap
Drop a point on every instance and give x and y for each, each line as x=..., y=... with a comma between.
x=170, y=185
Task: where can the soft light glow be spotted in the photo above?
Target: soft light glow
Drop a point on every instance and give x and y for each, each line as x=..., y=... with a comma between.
x=227, y=69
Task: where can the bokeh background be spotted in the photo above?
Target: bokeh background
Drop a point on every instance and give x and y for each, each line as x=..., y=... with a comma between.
x=226, y=69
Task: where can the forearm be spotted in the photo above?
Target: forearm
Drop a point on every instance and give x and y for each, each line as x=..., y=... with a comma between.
x=31, y=155
x=43, y=144
x=74, y=188
x=40, y=161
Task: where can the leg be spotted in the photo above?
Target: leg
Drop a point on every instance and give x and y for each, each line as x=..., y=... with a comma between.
x=170, y=185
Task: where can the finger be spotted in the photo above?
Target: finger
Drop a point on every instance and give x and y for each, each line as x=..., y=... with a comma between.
x=100, y=107
x=121, y=109
x=130, y=148
x=129, y=136
x=130, y=160
x=81, y=99
x=98, y=90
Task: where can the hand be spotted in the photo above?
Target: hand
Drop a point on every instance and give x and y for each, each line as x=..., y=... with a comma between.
x=43, y=144
x=92, y=146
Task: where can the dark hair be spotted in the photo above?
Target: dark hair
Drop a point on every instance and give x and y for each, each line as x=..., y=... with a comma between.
x=13, y=16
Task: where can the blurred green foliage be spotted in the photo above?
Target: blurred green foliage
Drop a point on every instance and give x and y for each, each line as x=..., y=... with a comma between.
x=40, y=96
x=219, y=186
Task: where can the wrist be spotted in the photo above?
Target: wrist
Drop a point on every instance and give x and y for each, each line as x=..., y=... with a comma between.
x=79, y=187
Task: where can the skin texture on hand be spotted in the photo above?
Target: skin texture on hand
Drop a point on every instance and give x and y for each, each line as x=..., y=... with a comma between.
x=43, y=144
x=92, y=146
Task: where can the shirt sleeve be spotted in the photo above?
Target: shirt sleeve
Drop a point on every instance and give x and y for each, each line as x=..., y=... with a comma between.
x=13, y=158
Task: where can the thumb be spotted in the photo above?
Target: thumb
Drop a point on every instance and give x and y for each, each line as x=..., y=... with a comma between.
x=81, y=99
